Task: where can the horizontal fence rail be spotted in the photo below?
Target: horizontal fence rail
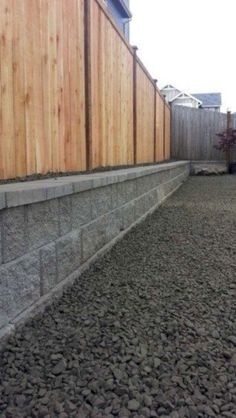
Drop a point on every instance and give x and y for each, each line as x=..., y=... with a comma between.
x=194, y=133
x=74, y=95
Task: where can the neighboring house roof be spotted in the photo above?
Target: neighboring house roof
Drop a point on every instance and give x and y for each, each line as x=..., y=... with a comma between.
x=169, y=87
x=184, y=95
x=209, y=99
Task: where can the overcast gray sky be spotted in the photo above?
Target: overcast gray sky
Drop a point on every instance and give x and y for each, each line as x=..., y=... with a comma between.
x=188, y=43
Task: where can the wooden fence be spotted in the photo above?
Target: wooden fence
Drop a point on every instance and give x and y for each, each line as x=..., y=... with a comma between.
x=74, y=96
x=194, y=133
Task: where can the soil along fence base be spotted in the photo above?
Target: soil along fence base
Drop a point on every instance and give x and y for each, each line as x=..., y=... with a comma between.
x=51, y=230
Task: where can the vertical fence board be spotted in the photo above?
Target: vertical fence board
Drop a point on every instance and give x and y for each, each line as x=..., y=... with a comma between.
x=7, y=105
x=145, y=117
x=18, y=90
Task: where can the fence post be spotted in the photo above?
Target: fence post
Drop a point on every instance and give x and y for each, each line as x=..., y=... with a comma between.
x=135, y=102
x=155, y=117
x=87, y=77
x=228, y=133
x=164, y=127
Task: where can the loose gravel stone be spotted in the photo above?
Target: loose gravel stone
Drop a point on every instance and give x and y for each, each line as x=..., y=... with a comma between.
x=133, y=405
x=147, y=331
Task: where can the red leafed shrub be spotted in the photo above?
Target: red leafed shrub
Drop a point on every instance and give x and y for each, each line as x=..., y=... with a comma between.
x=227, y=140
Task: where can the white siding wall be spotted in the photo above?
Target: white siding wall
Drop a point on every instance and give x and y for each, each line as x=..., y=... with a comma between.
x=186, y=102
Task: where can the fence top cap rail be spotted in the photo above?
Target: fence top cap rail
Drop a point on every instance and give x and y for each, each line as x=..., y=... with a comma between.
x=23, y=193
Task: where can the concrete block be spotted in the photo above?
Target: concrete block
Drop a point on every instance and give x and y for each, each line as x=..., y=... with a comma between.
x=19, y=284
x=58, y=190
x=101, y=201
x=128, y=214
x=160, y=193
x=123, y=193
x=144, y=184
x=2, y=200
x=81, y=209
x=151, y=199
x=42, y=223
x=114, y=224
x=94, y=237
x=18, y=195
x=65, y=215
x=82, y=185
x=140, y=207
x=14, y=242
x=68, y=251
x=48, y=268
x=99, y=181
x=4, y=320
x=1, y=248
x=208, y=168
x=167, y=187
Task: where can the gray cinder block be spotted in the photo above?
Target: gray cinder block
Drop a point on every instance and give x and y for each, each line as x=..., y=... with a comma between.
x=14, y=240
x=93, y=237
x=42, y=223
x=68, y=250
x=19, y=284
x=151, y=199
x=128, y=214
x=101, y=201
x=65, y=215
x=126, y=191
x=114, y=224
x=48, y=268
x=81, y=209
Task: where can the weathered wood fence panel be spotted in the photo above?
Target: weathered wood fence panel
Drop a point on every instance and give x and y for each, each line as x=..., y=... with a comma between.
x=194, y=133
x=69, y=100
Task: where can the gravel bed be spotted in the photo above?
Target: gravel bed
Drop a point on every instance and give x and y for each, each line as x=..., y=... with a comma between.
x=147, y=331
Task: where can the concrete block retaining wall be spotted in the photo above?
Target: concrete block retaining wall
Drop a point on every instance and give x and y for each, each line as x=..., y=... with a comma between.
x=50, y=230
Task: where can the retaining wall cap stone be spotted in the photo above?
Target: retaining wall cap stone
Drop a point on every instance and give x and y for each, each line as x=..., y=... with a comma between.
x=23, y=193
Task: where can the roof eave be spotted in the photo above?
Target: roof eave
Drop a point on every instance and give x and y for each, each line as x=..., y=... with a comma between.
x=125, y=9
x=218, y=105
x=187, y=94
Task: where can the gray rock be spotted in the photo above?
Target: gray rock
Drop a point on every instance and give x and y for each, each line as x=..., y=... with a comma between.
x=59, y=367
x=133, y=405
x=232, y=339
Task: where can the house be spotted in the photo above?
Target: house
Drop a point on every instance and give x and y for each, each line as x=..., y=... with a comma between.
x=211, y=101
x=119, y=10
x=170, y=92
x=178, y=97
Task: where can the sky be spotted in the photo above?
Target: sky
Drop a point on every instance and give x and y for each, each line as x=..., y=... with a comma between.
x=190, y=44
